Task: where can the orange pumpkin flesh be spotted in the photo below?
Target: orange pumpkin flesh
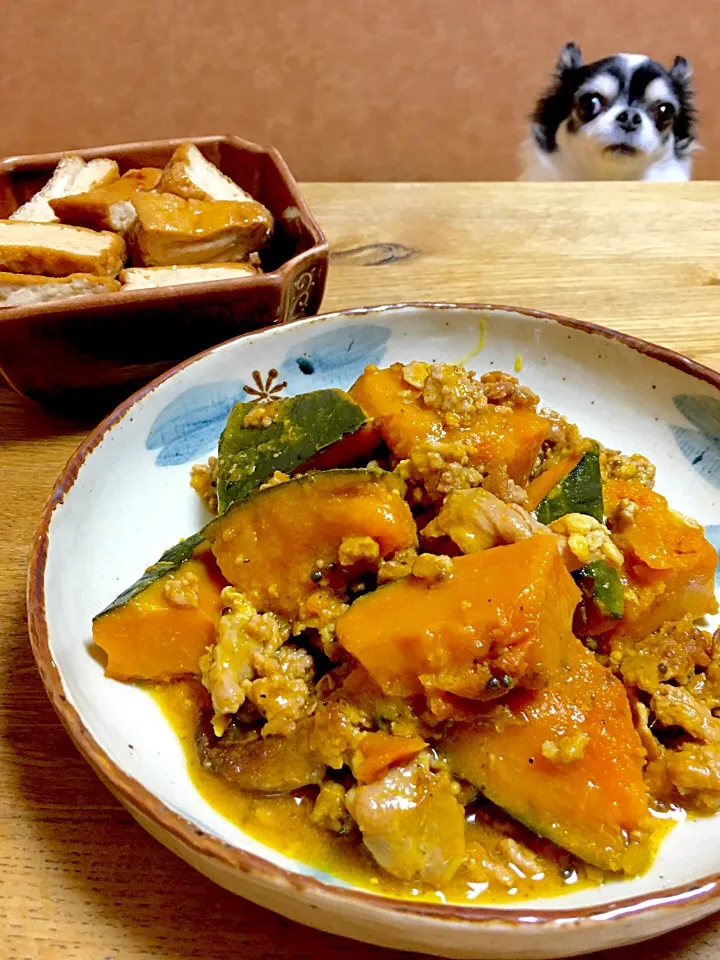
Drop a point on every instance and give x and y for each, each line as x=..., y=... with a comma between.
x=509, y=608
x=269, y=545
x=541, y=486
x=354, y=449
x=589, y=805
x=154, y=636
x=669, y=563
x=378, y=751
x=498, y=437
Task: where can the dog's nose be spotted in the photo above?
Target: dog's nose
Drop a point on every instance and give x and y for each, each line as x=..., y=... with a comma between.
x=629, y=120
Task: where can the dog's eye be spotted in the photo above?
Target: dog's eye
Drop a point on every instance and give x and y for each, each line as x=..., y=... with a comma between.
x=588, y=106
x=664, y=114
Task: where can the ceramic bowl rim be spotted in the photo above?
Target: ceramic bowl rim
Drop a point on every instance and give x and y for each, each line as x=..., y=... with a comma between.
x=202, y=843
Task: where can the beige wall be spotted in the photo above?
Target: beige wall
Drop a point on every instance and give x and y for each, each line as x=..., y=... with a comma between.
x=347, y=89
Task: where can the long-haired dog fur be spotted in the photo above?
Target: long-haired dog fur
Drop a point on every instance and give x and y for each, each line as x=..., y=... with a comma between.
x=622, y=118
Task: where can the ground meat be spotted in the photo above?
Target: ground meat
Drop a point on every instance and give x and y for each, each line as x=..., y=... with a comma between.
x=227, y=668
x=183, y=591
x=329, y=810
x=442, y=466
x=587, y=539
x=563, y=439
x=251, y=660
x=282, y=701
x=619, y=466
x=624, y=514
x=338, y=728
x=398, y=566
x=288, y=661
x=277, y=478
x=203, y=479
x=676, y=707
x=673, y=652
x=318, y=613
x=283, y=692
x=505, y=390
x=262, y=414
x=432, y=567
x=566, y=749
x=454, y=392
x=357, y=549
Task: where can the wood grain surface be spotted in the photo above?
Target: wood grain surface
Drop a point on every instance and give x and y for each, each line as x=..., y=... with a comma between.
x=78, y=878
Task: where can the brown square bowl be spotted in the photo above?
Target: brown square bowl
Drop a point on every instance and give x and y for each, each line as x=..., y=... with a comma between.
x=95, y=350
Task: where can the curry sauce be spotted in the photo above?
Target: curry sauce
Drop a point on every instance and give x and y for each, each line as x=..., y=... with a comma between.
x=506, y=864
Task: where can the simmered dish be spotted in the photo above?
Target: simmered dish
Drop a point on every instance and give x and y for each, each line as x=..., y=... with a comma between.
x=92, y=230
x=434, y=640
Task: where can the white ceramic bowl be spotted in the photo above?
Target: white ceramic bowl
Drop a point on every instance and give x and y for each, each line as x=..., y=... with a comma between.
x=124, y=497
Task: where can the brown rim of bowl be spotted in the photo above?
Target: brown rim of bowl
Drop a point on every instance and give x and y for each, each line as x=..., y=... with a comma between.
x=188, y=291
x=698, y=892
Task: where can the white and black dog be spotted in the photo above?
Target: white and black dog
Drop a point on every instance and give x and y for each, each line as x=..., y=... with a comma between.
x=622, y=118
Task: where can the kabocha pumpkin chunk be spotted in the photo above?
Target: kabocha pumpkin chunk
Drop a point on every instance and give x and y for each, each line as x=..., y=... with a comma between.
x=158, y=629
x=603, y=602
x=260, y=438
x=352, y=450
x=493, y=436
x=669, y=563
x=503, y=617
x=541, y=486
x=565, y=761
x=270, y=544
x=580, y=491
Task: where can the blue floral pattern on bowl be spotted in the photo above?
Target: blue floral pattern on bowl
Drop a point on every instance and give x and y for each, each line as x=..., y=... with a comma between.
x=189, y=426
x=701, y=446
x=336, y=358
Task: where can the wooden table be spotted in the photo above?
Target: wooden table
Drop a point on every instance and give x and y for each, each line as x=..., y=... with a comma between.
x=78, y=878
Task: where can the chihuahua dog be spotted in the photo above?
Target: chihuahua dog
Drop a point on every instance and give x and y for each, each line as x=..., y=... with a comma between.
x=622, y=118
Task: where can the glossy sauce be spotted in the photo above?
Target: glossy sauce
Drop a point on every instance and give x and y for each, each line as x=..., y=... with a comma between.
x=283, y=823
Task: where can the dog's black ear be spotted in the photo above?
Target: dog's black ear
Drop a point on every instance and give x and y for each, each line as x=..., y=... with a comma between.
x=555, y=104
x=686, y=120
x=681, y=71
x=570, y=59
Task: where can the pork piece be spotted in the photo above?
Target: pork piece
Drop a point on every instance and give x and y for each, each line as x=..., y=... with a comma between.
x=677, y=707
x=261, y=764
x=671, y=653
x=694, y=771
x=411, y=823
x=252, y=661
x=477, y=520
